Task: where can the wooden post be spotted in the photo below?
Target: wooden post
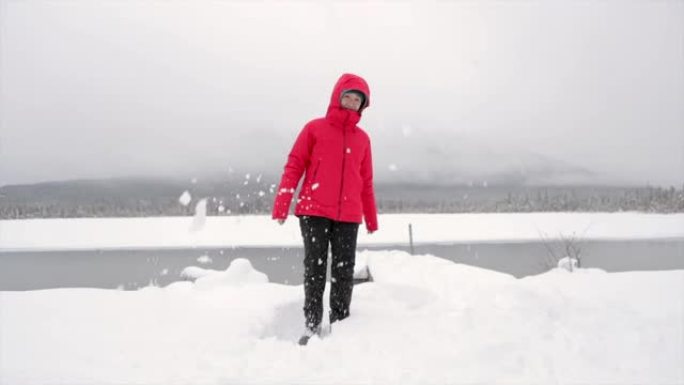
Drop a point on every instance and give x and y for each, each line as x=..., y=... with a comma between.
x=411, y=238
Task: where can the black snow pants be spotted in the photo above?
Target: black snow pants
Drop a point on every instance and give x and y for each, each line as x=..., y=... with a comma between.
x=318, y=233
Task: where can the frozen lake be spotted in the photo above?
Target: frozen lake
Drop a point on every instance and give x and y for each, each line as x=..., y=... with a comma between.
x=132, y=269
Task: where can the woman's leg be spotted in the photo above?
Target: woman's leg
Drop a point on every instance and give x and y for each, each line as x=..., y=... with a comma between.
x=316, y=234
x=343, y=242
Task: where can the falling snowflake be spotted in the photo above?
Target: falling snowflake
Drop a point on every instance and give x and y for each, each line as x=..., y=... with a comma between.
x=200, y=217
x=314, y=186
x=406, y=130
x=185, y=198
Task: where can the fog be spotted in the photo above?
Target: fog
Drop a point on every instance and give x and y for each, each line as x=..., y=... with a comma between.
x=561, y=92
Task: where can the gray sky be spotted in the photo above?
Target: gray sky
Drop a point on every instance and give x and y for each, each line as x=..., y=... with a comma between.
x=462, y=91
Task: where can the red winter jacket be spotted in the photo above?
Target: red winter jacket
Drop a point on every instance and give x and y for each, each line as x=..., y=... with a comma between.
x=336, y=155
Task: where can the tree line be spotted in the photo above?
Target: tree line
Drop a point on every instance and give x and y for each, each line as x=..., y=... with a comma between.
x=135, y=199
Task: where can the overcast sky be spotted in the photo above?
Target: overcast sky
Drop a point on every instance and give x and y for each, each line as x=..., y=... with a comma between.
x=462, y=91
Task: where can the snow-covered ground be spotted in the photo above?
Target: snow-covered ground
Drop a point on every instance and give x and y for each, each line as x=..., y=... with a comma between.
x=423, y=320
x=238, y=231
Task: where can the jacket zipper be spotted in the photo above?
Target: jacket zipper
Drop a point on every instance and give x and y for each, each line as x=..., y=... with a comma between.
x=344, y=158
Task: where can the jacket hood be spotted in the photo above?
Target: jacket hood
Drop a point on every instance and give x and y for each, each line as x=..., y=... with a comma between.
x=340, y=115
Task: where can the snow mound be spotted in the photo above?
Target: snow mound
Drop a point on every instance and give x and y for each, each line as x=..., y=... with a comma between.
x=396, y=266
x=435, y=278
x=239, y=273
x=568, y=263
x=194, y=272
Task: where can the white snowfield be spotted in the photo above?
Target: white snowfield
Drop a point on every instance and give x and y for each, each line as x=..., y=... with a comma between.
x=261, y=231
x=423, y=320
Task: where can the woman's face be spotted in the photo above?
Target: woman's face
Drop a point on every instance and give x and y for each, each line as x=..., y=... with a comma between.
x=351, y=101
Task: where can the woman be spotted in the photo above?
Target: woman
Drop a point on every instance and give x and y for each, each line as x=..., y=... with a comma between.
x=337, y=193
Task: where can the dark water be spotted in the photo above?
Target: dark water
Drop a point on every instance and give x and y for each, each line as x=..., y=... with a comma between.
x=133, y=269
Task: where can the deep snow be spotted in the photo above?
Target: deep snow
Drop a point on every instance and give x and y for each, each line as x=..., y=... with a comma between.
x=423, y=320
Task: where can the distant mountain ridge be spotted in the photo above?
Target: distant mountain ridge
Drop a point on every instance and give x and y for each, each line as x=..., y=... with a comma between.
x=453, y=158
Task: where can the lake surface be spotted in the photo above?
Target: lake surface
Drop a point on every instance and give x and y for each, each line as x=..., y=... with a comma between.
x=133, y=269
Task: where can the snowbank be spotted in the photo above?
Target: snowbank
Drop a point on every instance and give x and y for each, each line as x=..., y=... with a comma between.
x=239, y=273
x=261, y=231
x=423, y=320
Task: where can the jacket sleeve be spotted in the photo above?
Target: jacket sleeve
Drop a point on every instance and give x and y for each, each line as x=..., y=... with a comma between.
x=297, y=162
x=370, y=214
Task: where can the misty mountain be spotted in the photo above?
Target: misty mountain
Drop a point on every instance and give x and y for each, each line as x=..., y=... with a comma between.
x=452, y=158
